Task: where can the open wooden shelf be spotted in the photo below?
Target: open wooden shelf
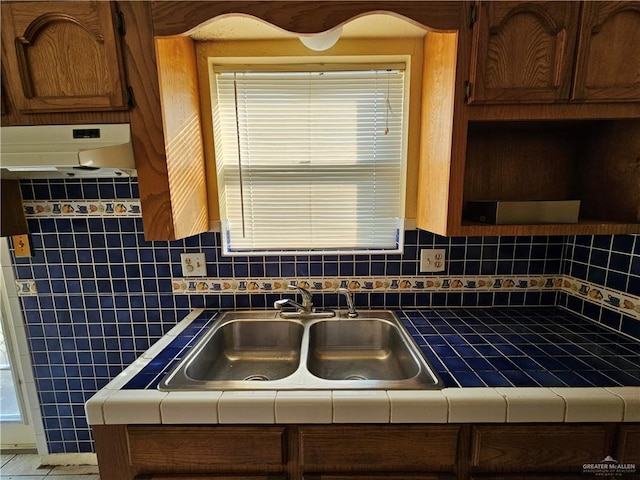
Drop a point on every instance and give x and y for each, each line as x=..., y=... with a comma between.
x=583, y=227
x=594, y=161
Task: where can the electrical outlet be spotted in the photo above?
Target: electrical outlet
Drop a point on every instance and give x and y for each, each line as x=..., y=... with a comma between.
x=432, y=260
x=193, y=265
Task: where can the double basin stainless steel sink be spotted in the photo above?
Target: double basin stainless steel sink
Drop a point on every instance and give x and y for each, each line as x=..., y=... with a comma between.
x=260, y=351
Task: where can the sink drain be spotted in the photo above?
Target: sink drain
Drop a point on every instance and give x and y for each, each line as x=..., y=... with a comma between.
x=355, y=377
x=257, y=378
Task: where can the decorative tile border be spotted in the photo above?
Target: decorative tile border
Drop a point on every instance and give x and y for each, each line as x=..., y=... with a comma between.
x=596, y=294
x=26, y=288
x=81, y=208
x=602, y=296
x=605, y=297
x=365, y=284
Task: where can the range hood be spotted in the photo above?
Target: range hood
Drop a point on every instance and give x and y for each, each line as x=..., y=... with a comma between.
x=66, y=151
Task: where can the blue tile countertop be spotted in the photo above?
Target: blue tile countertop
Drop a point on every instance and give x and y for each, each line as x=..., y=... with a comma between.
x=499, y=365
x=482, y=347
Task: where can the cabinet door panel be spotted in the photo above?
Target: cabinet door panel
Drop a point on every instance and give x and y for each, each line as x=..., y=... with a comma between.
x=63, y=56
x=629, y=444
x=371, y=448
x=537, y=448
x=608, y=61
x=523, y=52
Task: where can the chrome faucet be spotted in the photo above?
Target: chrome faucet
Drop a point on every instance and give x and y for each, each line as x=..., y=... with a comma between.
x=307, y=297
x=304, y=309
x=347, y=295
x=307, y=300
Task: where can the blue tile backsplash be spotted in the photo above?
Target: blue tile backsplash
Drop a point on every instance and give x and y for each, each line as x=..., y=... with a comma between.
x=104, y=294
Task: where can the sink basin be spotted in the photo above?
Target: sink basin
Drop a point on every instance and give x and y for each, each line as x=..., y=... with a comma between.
x=248, y=350
x=359, y=350
x=261, y=351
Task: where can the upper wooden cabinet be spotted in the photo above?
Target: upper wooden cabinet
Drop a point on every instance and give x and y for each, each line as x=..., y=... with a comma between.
x=13, y=221
x=608, y=59
x=546, y=52
x=523, y=52
x=63, y=56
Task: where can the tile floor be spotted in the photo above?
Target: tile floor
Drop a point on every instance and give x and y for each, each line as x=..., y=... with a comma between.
x=27, y=467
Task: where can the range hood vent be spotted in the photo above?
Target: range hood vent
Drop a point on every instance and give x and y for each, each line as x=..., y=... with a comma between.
x=66, y=151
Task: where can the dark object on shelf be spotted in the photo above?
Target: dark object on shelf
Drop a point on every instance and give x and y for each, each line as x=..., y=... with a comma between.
x=522, y=213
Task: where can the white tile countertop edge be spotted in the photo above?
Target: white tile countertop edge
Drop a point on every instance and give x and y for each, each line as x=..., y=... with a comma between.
x=111, y=405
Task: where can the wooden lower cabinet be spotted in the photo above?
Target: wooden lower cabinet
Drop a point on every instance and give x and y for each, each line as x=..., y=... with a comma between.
x=530, y=448
x=192, y=452
x=386, y=476
x=209, y=476
x=629, y=445
x=403, y=448
x=530, y=476
x=359, y=452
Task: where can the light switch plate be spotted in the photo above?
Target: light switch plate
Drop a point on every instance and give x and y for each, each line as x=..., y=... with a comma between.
x=432, y=260
x=193, y=264
x=22, y=246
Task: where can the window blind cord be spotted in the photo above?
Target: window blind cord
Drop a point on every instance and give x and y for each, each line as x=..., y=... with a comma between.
x=235, y=99
x=389, y=109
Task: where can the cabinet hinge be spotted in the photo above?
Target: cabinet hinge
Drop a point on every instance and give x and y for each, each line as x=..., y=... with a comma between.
x=473, y=15
x=131, y=102
x=468, y=88
x=120, y=25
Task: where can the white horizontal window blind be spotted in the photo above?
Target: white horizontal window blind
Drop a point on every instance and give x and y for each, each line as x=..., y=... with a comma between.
x=310, y=161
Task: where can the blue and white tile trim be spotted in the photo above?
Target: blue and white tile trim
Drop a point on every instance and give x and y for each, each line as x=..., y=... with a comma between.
x=26, y=288
x=611, y=299
x=624, y=303
x=82, y=208
x=620, y=302
x=364, y=284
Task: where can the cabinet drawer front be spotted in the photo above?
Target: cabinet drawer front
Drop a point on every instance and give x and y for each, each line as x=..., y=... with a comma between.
x=197, y=447
x=367, y=448
x=537, y=448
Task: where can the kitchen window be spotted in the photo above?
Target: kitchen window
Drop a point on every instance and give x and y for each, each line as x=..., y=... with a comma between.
x=310, y=158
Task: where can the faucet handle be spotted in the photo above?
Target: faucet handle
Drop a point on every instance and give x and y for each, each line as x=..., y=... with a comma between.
x=279, y=304
x=307, y=297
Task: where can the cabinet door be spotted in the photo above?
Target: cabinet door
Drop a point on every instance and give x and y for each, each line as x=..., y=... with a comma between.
x=608, y=60
x=63, y=56
x=629, y=444
x=523, y=52
x=537, y=448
